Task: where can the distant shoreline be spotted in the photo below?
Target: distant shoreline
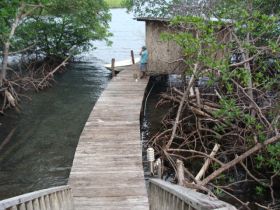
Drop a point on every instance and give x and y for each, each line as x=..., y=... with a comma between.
x=114, y=4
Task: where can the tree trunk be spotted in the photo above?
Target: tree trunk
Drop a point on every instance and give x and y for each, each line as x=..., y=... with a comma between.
x=4, y=63
x=8, y=43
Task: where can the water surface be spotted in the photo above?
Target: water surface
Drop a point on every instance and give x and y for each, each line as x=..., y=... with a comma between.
x=41, y=152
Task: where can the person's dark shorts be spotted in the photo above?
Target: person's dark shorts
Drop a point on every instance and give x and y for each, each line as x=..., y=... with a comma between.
x=143, y=67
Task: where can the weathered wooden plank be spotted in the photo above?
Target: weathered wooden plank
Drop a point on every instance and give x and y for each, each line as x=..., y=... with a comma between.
x=86, y=151
x=91, y=207
x=113, y=191
x=131, y=174
x=116, y=185
x=81, y=181
x=97, y=165
x=108, y=152
x=115, y=136
x=107, y=171
x=126, y=200
x=107, y=167
x=113, y=146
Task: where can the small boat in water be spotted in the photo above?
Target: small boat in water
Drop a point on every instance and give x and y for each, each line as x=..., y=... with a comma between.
x=119, y=65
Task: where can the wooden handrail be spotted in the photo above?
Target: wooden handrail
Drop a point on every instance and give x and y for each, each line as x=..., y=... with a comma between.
x=56, y=198
x=164, y=195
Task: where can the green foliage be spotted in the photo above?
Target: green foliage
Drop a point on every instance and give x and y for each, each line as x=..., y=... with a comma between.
x=127, y=4
x=115, y=3
x=215, y=165
x=270, y=159
x=149, y=8
x=57, y=26
x=244, y=71
x=274, y=153
x=262, y=29
x=256, y=34
x=218, y=192
x=229, y=111
x=245, y=78
x=259, y=190
x=168, y=8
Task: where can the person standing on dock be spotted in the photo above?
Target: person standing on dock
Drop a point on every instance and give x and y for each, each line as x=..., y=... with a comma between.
x=143, y=62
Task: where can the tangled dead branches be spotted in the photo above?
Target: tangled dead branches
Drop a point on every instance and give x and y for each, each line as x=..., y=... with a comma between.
x=35, y=75
x=241, y=132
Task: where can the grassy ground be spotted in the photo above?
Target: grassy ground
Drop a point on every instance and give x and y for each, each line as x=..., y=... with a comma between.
x=114, y=3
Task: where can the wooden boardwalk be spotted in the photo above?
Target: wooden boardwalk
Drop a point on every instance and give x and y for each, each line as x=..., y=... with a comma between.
x=107, y=171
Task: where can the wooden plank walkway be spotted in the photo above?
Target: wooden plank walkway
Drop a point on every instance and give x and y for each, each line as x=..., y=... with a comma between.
x=107, y=171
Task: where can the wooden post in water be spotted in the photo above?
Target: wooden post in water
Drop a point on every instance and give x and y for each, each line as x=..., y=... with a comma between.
x=113, y=67
x=132, y=57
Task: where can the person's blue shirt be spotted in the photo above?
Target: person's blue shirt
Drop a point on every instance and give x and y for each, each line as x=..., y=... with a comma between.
x=144, y=57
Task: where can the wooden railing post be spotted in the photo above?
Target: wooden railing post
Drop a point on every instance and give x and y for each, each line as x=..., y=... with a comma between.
x=42, y=203
x=69, y=200
x=56, y=198
x=22, y=206
x=164, y=195
x=159, y=168
x=36, y=204
x=180, y=172
x=29, y=205
x=132, y=57
x=48, y=203
x=113, y=67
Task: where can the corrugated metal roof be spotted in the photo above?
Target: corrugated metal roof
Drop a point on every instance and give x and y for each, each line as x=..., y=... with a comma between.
x=152, y=19
x=169, y=19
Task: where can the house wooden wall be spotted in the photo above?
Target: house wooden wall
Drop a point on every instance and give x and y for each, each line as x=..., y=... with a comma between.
x=162, y=54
